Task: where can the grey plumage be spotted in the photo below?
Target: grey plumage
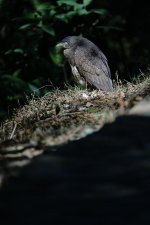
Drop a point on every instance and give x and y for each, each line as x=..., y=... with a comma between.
x=87, y=61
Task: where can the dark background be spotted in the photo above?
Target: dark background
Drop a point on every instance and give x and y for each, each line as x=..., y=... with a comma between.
x=30, y=29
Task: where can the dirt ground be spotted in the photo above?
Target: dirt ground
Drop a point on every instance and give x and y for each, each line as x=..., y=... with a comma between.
x=60, y=117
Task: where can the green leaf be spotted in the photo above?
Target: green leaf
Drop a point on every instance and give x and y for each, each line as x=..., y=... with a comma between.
x=33, y=88
x=18, y=50
x=43, y=6
x=25, y=26
x=56, y=57
x=82, y=12
x=70, y=14
x=8, y=52
x=67, y=2
x=102, y=12
x=52, y=12
x=48, y=30
x=86, y=2
x=33, y=16
x=16, y=73
x=6, y=77
x=62, y=17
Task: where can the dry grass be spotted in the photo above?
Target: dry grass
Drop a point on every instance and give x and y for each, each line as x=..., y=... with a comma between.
x=71, y=114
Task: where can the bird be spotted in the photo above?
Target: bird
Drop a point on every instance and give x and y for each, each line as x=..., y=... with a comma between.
x=88, y=63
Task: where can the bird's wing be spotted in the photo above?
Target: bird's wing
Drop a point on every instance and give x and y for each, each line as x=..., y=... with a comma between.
x=93, y=67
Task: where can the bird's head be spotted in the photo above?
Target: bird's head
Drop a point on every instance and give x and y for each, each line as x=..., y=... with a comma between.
x=68, y=42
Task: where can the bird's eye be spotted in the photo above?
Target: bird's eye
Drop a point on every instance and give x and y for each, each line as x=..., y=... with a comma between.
x=66, y=45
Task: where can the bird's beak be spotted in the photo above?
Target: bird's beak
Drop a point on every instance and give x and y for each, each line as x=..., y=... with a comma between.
x=60, y=45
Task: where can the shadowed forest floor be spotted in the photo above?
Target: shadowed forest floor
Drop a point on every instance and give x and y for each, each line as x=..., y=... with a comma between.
x=102, y=178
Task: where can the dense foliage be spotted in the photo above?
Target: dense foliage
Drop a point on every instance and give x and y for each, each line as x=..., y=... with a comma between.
x=30, y=29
